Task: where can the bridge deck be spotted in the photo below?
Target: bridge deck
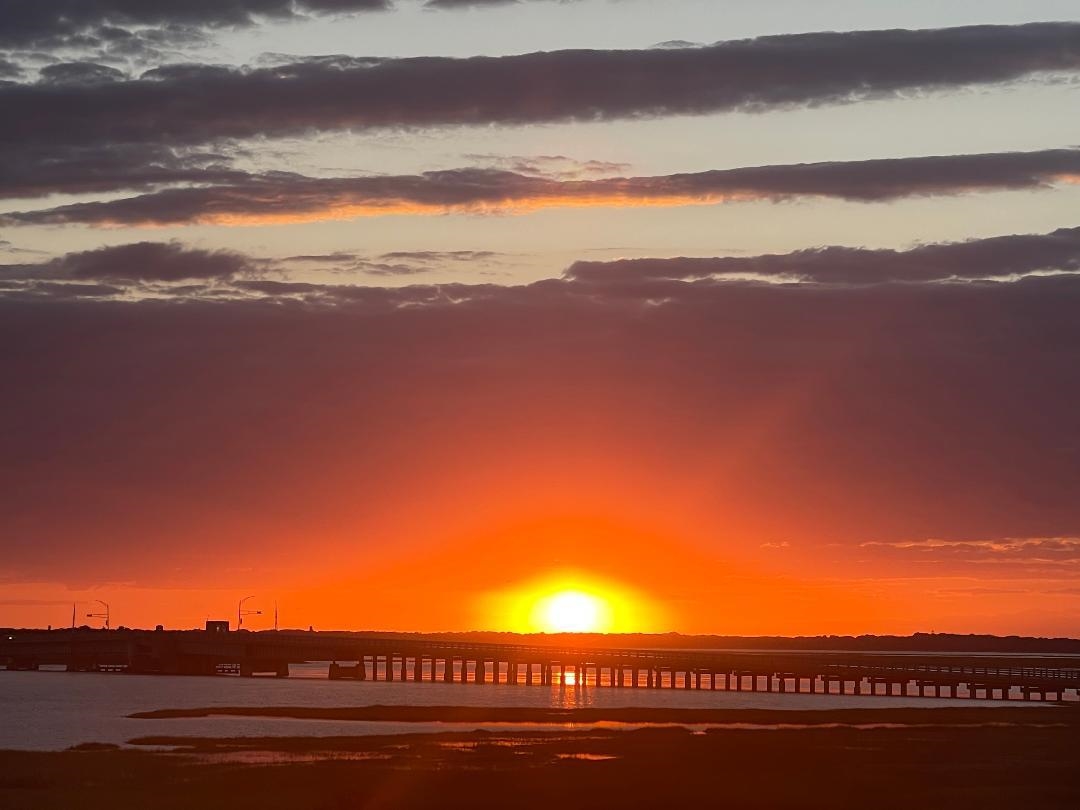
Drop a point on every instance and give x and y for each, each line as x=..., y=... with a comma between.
x=418, y=659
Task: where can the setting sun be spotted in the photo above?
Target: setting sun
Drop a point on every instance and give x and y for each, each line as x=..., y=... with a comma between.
x=573, y=612
x=570, y=602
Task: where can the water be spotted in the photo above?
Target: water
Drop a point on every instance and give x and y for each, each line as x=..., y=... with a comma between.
x=55, y=710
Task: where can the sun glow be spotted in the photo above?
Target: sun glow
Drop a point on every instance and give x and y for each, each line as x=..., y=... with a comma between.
x=573, y=612
x=569, y=603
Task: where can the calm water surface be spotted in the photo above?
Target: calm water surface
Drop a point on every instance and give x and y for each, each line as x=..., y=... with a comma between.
x=55, y=710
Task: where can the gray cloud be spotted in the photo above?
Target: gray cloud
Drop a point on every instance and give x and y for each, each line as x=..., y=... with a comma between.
x=186, y=104
x=158, y=266
x=150, y=30
x=40, y=23
x=79, y=74
x=999, y=257
x=47, y=23
x=29, y=170
x=9, y=70
x=107, y=44
x=238, y=197
x=142, y=261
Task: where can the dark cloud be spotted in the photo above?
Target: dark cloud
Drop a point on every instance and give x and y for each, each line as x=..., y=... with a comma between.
x=9, y=70
x=140, y=33
x=824, y=414
x=153, y=261
x=45, y=23
x=143, y=261
x=30, y=170
x=146, y=263
x=998, y=257
x=79, y=73
x=137, y=48
x=283, y=197
x=199, y=103
x=149, y=30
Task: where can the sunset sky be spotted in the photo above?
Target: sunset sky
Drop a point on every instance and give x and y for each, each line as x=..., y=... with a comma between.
x=742, y=316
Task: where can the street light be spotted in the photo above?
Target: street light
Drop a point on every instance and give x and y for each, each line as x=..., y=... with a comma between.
x=241, y=613
x=104, y=615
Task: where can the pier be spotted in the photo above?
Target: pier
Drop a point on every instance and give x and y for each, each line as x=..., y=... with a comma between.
x=351, y=657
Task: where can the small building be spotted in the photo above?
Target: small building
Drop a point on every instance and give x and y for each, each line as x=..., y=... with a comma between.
x=216, y=626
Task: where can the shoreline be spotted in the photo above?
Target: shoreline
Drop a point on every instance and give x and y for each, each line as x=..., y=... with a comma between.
x=974, y=715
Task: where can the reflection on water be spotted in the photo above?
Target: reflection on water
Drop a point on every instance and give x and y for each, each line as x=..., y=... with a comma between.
x=56, y=710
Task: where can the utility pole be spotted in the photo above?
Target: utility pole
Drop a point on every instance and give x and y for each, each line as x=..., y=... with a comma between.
x=104, y=615
x=275, y=615
x=241, y=613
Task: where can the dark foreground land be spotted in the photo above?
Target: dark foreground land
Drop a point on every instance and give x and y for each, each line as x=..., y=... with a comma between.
x=987, y=759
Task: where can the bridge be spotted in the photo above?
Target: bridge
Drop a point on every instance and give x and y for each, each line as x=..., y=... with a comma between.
x=420, y=660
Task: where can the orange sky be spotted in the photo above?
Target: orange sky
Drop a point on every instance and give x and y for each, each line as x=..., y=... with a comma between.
x=654, y=583
x=411, y=320
x=398, y=469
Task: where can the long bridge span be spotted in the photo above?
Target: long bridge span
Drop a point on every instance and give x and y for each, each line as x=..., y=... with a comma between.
x=1002, y=677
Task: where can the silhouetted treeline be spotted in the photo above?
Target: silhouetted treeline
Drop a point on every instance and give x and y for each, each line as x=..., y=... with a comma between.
x=918, y=642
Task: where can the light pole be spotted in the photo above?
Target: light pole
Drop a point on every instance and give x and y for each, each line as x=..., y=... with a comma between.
x=241, y=613
x=104, y=615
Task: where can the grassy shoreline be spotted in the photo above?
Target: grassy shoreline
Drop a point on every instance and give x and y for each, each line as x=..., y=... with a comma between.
x=497, y=714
